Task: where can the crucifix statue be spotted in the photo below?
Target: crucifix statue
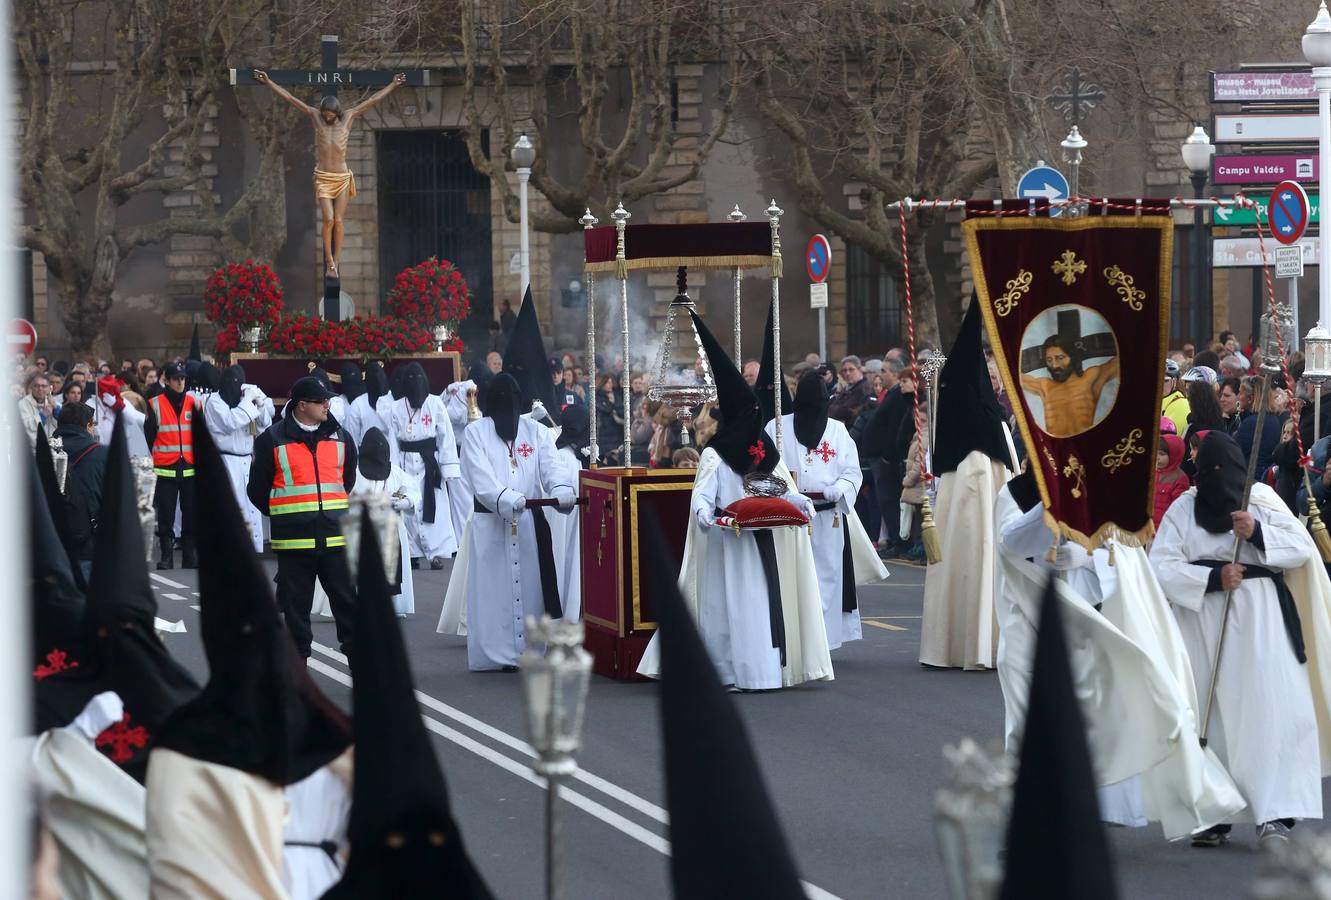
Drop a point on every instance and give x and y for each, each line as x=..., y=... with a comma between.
x=334, y=183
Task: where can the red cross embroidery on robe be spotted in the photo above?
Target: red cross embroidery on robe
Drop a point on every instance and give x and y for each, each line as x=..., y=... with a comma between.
x=526, y=450
x=758, y=452
x=825, y=451
x=123, y=740
x=56, y=661
x=426, y=419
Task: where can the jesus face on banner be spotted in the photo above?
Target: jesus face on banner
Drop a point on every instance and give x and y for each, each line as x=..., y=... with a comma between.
x=1069, y=369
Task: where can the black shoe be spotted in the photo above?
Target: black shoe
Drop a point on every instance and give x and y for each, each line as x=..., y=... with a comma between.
x=1212, y=837
x=415, y=562
x=189, y=559
x=167, y=559
x=437, y=563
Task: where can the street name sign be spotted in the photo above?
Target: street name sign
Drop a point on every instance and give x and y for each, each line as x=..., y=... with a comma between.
x=1262, y=87
x=1264, y=169
x=1265, y=128
x=1249, y=216
x=1230, y=253
x=1289, y=212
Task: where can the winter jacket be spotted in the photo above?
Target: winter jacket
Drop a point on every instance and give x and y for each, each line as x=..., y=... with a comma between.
x=1170, y=482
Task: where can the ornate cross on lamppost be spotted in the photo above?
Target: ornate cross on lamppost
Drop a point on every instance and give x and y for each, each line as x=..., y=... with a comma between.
x=1077, y=97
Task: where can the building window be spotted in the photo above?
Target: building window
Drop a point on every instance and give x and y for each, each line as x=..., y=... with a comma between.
x=874, y=318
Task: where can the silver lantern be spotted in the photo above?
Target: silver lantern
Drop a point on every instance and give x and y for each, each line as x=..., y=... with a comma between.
x=384, y=520
x=970, y=818
x=1276, y=337
x=682, y=377
x=441, y=335
x=145, y=486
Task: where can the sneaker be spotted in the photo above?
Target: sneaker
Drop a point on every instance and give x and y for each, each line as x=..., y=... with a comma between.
x=1214, y=836
x=1272, y=832
x=436, y=563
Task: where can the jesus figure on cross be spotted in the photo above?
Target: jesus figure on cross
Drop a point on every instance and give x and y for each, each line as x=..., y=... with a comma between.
x=334, y=183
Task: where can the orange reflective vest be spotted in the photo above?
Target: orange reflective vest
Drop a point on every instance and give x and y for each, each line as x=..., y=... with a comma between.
x=306, y=485
x=175, y=437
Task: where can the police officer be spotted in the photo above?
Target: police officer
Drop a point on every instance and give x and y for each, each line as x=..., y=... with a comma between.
x=304, y=468
x=168, y=428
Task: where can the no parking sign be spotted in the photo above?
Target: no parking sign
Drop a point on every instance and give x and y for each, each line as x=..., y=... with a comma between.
x=818, y=262
x=1288, y=212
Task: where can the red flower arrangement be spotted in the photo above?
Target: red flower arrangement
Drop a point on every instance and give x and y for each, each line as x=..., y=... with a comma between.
x=430, y=293
x=366, y=337
x=243, y=294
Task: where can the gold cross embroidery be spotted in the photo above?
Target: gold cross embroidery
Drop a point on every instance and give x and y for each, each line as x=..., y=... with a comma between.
x=1069, y=267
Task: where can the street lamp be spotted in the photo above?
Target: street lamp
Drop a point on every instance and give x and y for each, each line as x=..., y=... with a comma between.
x=554, y=686
x=1072, y=146
x=1197, y=152
x=1317, y=50
x=523, y=155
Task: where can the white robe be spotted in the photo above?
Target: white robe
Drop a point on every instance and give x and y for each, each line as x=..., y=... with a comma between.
x=318, y=807
x=833, y=460
x=959, y=627
x=1131, y=674
x=233, y=430
x=497, y=579
x=361, y=417
x=722, y=581
x=428, y=539
x=1265, y=724
x=459, y=498
x=404, y=602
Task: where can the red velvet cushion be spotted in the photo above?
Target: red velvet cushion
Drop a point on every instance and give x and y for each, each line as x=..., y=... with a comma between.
x=764, y=512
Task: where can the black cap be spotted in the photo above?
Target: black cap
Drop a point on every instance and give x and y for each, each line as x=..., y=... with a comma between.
x=309, y=388
x=175, y=370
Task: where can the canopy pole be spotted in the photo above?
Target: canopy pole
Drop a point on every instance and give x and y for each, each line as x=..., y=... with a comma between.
x=774, y=214
x=588, y=222
x=621, y=217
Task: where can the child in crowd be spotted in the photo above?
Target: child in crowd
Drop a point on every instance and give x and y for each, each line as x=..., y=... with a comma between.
x=684, y=458
x=1170, y=482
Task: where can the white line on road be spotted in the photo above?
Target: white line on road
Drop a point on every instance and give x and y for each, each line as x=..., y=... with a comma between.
x=168, y=582
x=172, y=597
x=586, y=804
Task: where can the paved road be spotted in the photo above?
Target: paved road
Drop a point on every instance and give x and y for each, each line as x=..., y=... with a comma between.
x=852, y=765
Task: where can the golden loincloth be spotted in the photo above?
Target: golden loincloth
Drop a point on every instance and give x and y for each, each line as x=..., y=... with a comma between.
x=333, y=184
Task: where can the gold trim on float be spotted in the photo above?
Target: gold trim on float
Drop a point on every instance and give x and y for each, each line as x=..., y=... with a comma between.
x=1164, y=224
x=638, y=622
x=740, y=261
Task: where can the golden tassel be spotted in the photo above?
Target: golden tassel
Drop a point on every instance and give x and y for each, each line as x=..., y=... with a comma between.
x=1315, y=524
x=621, y=269
x=778, y=268
x=933, y=550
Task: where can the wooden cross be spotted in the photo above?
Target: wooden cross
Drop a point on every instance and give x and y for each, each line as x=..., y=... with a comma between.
x=1094, y=346
x=328, y=78
x=1079, y=97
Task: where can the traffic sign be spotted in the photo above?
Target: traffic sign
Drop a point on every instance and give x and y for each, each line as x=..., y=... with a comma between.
x=1265, y=128
x=1246, y=169
x=818, y=295
x=818, y=259
x=1044, y=182
x=1230, y=253
x=1289, y=262
x=20, y=337
x=1249, y=215
x=1262, y=87
x=1289, y=212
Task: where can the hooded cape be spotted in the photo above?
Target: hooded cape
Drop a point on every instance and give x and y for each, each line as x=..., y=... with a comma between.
x=575, y=429
x=740, y=439
x=55, y=503
x=376, y=383
x=233, y=384
x=260, y=711
x=526, y=361
x=118, y=624
x=504, y=406
x=764, y=388
x=352, y=384
x=372, y=458
x=404, y=840
x=810, y=410
x=1222, y=474
x=968, y=415
x=195, y=353
x=415, y=386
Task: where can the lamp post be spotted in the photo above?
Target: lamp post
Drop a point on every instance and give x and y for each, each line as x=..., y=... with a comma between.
x=1317, y=50
x=1197, y=152
x=1072, y=146
x=524, y=154
x=554, y=688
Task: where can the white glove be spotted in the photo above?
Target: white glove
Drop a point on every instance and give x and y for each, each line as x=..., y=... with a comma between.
x=511, y=503
x=101, y=713
x=567, y=499
x=833, y=492
x=402, y=504
x=805, y=505
x=1070, y=555
x=704, y=518
x=538, y=410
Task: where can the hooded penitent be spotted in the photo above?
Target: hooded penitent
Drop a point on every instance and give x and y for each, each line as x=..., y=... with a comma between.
x=526, y=361
x=118, y=625
x=207, y=378
x=740, y=439
x=503, y=406
x=404, y=840
x=968, y=415
x=373, y=460
x=1222, y=475
x=764, y=387
x=233, y=384
x=376, y=383
x=1056, y=846
x=810, y=409
x=397, y=382
x=260, y=711
x=195, y=352
x=726, y=839
x=415, y=386
x=55, y=503
x=575, y=430
x=352, y=385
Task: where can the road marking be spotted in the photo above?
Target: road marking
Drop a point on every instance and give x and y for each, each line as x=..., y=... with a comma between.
x=168, y=582
x=583, y=802
x=891, y=617
x=173, y=597
x=883, y=625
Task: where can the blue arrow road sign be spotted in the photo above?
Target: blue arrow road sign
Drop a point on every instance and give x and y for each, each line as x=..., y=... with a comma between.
x=1043, y=182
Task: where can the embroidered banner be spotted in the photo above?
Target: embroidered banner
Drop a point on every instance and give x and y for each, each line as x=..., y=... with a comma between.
x=1077, y=311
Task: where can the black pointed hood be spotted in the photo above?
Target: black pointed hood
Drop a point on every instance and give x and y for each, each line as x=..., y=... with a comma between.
x=376, y=383
x=260, y=711
x=504, y=405
x=810, y=410
x=55, y=503
x=397, y=382
x=404, y=840
x=233, y=385
x=726, y=838
x=352, y=383
x=119, y=619
x=526, y=361
x=208, y=378
x=1056, y=845
x=968, y=415
x=740, y=438
x=575, y=430
x=195, y=351
x=415, y=385
x=372, y=457
x=764, y=387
